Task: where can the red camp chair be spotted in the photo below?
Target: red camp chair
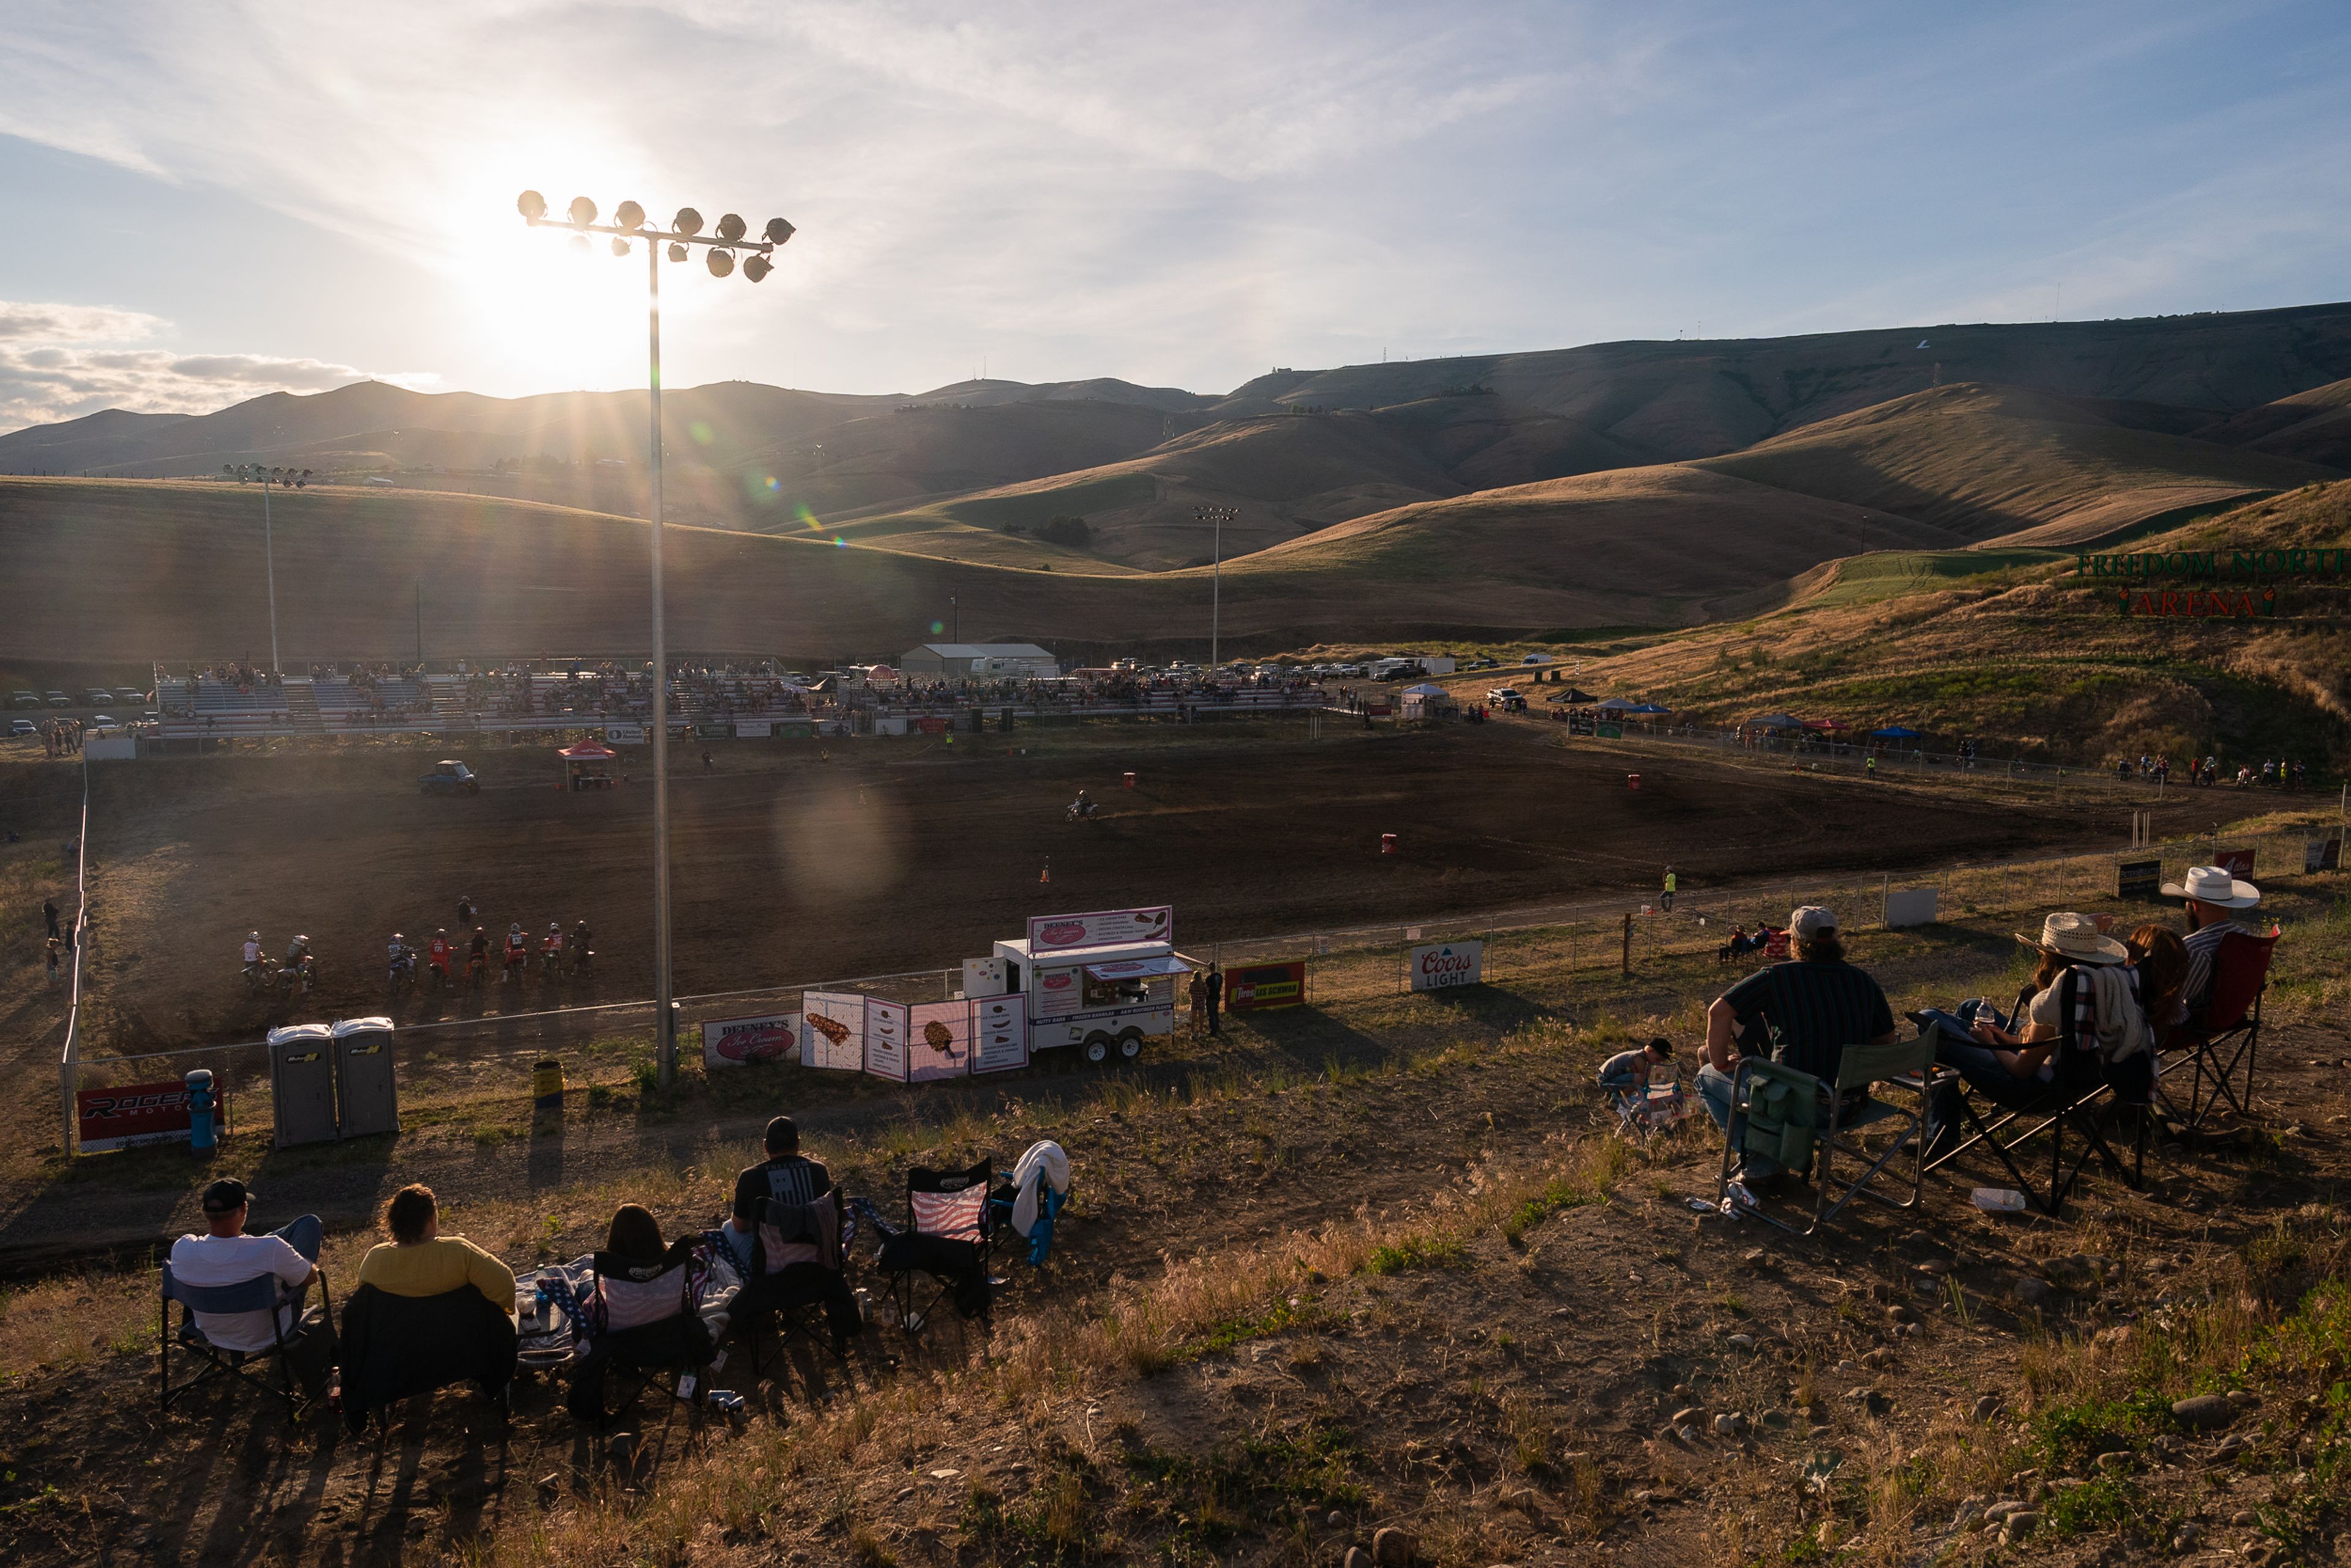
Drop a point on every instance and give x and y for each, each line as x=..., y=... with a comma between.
x=2219, y=1051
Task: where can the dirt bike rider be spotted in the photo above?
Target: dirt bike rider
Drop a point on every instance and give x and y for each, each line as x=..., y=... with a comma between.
x=400, y=957
x=581, y=952
x=517, y=951
x=1082, y=806
x=550, y=948
x=298, y=960
x=440, y=952
x=478, y=955
x=253, y=960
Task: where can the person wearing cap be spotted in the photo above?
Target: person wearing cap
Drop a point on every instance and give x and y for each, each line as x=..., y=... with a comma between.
x=789, y=1178
x=1628, y=1072
x=1811, y=1007
x=225, y=1255
x=2213, y=897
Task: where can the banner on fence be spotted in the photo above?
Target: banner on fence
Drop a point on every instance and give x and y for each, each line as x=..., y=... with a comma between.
x=999, y=1034
x=624, y=734
x=938, y=1041
x=711, y=731
x=1103, y=928
x=754, y=728
x=1910, y=906
x=2138, y=879
x=1262, y=988
x=1444, y=963
x=886, y=1039
x=833, y=1031
x=739, y=1042
x=128, y=1117
x=2238, y=864
x=2322, y=854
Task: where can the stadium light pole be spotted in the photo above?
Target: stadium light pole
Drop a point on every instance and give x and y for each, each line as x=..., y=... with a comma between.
x=293, y=479
x=1220, y=515
x=731, y=236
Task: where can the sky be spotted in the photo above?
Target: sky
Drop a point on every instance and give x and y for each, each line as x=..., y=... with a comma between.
x=221, y=200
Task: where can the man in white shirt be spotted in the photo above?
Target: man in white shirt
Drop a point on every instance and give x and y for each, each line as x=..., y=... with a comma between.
x=2213, y=898
x=225, y=1255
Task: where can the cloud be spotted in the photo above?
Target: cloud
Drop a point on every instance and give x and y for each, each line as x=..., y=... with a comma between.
x=61, y=362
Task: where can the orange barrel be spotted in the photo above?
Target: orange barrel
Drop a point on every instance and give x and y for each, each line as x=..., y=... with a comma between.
x=1130, y=780
x=1632, y=781
x=1387, y=843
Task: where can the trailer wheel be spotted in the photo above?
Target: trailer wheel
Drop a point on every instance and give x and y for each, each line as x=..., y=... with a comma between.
x=1097, y=1048
x=1130, y=1044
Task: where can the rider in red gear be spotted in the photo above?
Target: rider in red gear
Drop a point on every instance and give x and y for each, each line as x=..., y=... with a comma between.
x=517, y=951
x=439, y=952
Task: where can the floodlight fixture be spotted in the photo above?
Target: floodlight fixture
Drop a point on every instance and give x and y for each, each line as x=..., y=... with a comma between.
x=629, y=216
x=778, y=231
x=620, y=246
x=687, y=222
x=677, y=252
x=756, y=267
x=583, y=211
x=731, y=227
x=722, y=262
x=580, y=244
x=531, y=205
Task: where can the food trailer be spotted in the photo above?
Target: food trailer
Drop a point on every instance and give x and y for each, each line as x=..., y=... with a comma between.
x=1104, y=982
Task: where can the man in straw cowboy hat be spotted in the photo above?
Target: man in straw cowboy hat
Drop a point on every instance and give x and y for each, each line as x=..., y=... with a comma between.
x=2213, y=897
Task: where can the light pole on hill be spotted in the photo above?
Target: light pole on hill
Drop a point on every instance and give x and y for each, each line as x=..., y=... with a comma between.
x=1220, y=516
x=293, y=479
x=627, y=226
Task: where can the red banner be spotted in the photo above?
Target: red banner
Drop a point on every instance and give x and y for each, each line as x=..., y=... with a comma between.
x=1262, y=988
x=136, y=1113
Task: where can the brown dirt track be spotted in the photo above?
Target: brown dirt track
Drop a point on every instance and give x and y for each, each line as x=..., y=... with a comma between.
x=904, y=855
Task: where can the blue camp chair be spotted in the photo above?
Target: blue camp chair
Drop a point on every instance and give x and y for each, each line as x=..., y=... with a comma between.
x=262, y=1293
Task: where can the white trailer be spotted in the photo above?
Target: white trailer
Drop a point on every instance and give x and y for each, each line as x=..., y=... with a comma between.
x=1103, y=997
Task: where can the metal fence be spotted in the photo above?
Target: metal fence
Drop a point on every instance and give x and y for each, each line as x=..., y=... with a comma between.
x=453, y=1067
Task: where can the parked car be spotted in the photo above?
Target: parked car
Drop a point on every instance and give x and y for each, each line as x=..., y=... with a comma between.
x=451, y=776
x=23, y=699
x=99, y=697
x=19, y=727
x=130, y=697
x=101, y=721
x=1504, y=696
x=151, y=716
x=59, y=699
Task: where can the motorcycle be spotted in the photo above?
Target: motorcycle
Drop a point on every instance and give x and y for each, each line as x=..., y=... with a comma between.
x=403, y=973
x=436, y=976
x=551, y=964
x=517, y=961
x=299, y=976
x=1081, y=811
x=476, y=966
x=257, y=973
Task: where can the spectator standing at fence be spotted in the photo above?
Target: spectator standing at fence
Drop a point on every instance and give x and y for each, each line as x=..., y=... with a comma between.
x=1804, y=1013
x=225, y=1255
x=1215, y=996
x=50, y=916
x=1199, y=998
x=56, y=953
x=1672, y=882
x=2212, y=897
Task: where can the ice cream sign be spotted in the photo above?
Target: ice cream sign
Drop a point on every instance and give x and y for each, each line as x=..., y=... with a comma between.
x=1444, y=963
x=1103, y=928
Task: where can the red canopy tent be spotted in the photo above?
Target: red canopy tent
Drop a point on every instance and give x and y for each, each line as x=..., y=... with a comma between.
x=586, y=765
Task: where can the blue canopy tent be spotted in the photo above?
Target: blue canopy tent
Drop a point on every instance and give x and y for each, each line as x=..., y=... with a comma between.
x=1895, y=732
x=1649, y=707
x=1774, y=721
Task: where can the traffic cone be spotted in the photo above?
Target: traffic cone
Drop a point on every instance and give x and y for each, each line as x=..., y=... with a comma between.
x=1048, y=875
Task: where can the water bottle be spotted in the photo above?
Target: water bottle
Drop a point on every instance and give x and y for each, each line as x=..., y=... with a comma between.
x=538, y=1309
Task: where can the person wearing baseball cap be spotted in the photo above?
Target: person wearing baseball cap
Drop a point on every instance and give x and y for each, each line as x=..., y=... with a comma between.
x=2212, y=896
x=225, y=1255
x=1804, y=1012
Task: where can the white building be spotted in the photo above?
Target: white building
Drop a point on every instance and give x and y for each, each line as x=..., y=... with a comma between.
x=981, y=661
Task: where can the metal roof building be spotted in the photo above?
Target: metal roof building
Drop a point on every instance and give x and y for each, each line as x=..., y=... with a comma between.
x=955, y=661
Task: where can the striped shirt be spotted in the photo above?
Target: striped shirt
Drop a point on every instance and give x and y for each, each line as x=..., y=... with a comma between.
x=1814, y=1009
x=2203, y=946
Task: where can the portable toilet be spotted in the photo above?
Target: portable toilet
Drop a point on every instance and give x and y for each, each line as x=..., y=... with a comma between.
x=302, y=1082
x=365, y=1091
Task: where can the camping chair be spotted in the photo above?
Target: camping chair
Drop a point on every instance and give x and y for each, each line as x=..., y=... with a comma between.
x=2226, y=1040
x=2078, y=1099
x=1649, y=1109
x=1030, y=1196
x=397, y=1347
x=793, y=1235
x=262, y=1293
x=945, y=1242
x=643, y=1322
x=1779, y=1111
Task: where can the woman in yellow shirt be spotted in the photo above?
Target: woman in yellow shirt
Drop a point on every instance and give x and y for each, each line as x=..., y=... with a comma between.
x=420, y=1261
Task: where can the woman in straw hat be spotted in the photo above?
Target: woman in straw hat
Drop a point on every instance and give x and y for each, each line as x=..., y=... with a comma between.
x=2014, y=1068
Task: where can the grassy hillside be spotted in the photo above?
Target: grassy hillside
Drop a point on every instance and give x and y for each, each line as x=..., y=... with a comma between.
x=2314, y=426
x=2020, y=658
x=1989, y=463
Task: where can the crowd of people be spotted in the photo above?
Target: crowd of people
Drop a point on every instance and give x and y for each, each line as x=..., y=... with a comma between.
x=429, y=1307
x=2099, y=1008
x=61, y=737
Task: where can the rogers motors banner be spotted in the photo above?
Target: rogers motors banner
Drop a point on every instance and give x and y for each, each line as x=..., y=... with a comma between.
x=1103, y=928
x=1262, y=988
x=138, y=1114
x=1444, y=963
x=738, y=1043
